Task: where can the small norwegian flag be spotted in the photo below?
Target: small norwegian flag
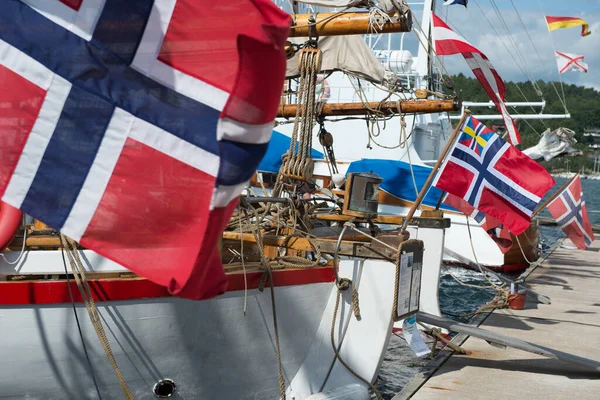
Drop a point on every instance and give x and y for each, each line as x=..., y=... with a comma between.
x=570, y=213
x=493, y=176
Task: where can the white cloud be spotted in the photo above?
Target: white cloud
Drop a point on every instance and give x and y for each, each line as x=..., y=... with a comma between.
x=500, y=48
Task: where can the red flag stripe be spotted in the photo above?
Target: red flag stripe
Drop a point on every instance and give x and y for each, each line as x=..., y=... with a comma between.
x=447, y=42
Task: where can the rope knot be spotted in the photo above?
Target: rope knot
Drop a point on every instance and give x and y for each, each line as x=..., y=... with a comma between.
x=343, y=283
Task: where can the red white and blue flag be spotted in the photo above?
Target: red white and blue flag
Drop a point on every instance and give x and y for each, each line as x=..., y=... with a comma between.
x=493, y=176
x=132, y=126
x=570, y=213
x=447, y=42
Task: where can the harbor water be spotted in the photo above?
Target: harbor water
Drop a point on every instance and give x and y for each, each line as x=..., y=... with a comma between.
x=458, y=301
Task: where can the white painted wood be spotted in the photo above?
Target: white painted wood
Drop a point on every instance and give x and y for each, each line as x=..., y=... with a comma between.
x=364, y=342
x=457, y=237
x=51, y=262
x=209, y=348
x=430, y=275
x=433, y=240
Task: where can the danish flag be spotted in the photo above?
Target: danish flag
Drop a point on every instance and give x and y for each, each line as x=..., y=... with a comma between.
x=493, y=176
x=447, y=42
x=132, y=126
x=570, y=213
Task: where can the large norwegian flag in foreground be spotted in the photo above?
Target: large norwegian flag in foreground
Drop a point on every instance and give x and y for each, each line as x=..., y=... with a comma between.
x=493, y=176
x=132, y=126
x=570, y=213
x=447, y=42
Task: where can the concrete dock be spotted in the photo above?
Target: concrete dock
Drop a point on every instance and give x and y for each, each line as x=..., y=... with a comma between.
x=571, y=324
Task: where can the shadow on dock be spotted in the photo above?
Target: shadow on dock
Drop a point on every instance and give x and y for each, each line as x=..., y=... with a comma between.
x=534, y=365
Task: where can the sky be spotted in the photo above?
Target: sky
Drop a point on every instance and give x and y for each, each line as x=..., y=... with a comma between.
x=535, y=43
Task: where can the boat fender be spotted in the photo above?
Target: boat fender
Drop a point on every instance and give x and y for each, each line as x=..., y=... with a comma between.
x=10, y=221
x=353, y=391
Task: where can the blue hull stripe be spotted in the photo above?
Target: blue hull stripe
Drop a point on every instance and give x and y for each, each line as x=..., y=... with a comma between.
x=397, y=179
x=68, y=157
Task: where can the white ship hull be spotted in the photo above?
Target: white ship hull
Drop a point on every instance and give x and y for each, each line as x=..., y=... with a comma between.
x=208, y=348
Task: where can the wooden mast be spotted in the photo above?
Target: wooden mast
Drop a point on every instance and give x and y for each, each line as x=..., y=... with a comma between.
x=347, y=23
x=386, y=108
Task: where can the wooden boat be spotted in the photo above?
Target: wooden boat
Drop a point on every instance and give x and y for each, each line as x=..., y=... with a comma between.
x=164, y=345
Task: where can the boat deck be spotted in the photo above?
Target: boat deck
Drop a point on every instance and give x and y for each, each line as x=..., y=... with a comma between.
x=570, y=324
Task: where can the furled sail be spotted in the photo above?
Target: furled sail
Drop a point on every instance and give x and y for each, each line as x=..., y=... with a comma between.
x=554, y=143
x=345, y=53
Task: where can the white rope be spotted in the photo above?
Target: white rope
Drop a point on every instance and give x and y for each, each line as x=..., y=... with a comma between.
x=562, y=100
x=522, y=252
x=495, y=287
x=377, y=18
x=22, y=247
x=514, y=43
x=502, y=60
x=410, y=165
x=243, y=261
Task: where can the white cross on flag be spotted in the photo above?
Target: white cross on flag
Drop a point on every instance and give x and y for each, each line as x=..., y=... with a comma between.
x=570, y=62
x=132, y=126
x=570, y=213
x=448, y=42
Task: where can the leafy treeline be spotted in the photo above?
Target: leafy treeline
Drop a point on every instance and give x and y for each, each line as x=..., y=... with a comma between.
x=582, y=103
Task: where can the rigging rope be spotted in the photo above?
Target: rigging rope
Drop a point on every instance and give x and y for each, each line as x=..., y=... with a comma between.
x=22, y=252
x=562, y=89
x=562, y=100
x=514, y=43
x=268, y=275
x=502, y=60
x=85, y=351
x=84, y=289
x=297, y=162
x=429, y=42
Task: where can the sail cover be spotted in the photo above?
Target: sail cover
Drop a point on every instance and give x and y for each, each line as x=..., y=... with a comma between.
x=343, y=53
x=554, y=143
x=132, y=126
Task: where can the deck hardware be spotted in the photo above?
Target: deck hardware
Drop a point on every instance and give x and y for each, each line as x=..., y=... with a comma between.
x=164, y=388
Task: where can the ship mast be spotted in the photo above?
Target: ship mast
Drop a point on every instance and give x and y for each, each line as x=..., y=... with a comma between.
x=424, y=55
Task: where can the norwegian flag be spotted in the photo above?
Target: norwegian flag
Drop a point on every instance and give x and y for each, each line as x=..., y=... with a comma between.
x=447, y=42
x=493, y=176
x=132, y=126
x=570, y=213
x=497, y=231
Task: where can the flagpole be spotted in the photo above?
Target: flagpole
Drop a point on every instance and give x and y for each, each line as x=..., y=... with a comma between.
x=555, y=195
x=437, y=165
